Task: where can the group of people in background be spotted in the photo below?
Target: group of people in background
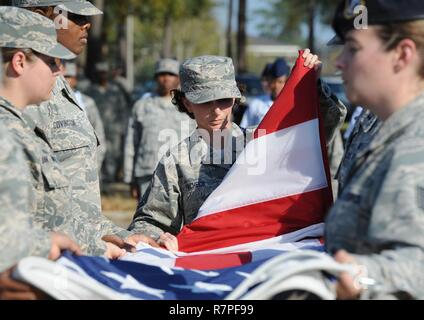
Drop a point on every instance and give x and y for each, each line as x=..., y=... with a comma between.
x=49, y=164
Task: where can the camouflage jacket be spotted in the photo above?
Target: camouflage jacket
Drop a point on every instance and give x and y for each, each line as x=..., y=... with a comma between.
x=335, y=156
x=20, y=238
x=333, y=112
x=66, y=128
x=183, y=180
x=155, y=126
x=93, y=115
x=379, y=214
x=364, y=130
x=53, y=207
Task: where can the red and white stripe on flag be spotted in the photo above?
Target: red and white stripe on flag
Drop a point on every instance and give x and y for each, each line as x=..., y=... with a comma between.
x=279, y=184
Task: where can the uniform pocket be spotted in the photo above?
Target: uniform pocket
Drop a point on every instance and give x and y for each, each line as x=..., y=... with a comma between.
x=52, y=173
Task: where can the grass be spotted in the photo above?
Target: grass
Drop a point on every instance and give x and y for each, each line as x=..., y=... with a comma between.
x=118, y=202
x=118, y=205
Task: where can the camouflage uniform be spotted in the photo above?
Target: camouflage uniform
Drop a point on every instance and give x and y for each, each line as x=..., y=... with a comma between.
x=80, y=7
x=333, y=112
x=335, y=156
x=67, y=130
x=114, y=113
x=379, y=214
x=18, y=196
x=151, y=118
x=52, y=209
x=93, y=115
x=19, y=237
x=363, y=132
x=183, y=180
x=72, y=138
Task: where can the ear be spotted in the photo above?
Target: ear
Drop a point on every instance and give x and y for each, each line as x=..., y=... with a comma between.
x=18, y=63
x=405, y=54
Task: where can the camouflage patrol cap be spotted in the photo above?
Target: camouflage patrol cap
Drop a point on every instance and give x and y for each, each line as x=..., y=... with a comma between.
x=208, y=78
x=20, y=28
x=167, y=66
x=102, y=66
x=81, y=7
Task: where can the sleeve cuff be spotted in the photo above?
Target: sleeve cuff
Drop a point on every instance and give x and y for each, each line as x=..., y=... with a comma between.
x=42, y=244
x=372, y=273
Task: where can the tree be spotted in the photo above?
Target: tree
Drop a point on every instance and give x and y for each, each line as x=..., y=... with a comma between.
x=284, y=19
x=167, y=12
x=241, y=38
x=163, y=28
x=230, y=29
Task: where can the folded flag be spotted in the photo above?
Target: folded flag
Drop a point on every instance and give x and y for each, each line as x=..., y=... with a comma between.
x=150, y=274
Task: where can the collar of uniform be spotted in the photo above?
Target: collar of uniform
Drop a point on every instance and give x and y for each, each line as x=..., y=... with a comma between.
x=397, y=122
x=367, y=120
x=6, y=104
x=62, y=87
x=25, y=119
x=236, y=134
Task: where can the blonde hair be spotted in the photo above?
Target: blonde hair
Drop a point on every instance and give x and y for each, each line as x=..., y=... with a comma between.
x=392, y=34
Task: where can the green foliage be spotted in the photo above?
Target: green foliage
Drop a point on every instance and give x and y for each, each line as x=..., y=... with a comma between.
x=195, y=31
x=283, y=19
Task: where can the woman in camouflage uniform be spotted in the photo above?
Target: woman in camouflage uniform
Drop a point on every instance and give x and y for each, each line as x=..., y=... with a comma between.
x=378, y=217
x=30, y=74
x=28, y=78
x=191, y=171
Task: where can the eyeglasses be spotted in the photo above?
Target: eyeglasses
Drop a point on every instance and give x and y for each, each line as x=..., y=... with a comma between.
x=76, y=18
x=52, y=63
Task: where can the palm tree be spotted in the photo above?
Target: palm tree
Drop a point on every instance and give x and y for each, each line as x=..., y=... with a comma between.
x=241, y=37
x=284, y=19
x=230, y=29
